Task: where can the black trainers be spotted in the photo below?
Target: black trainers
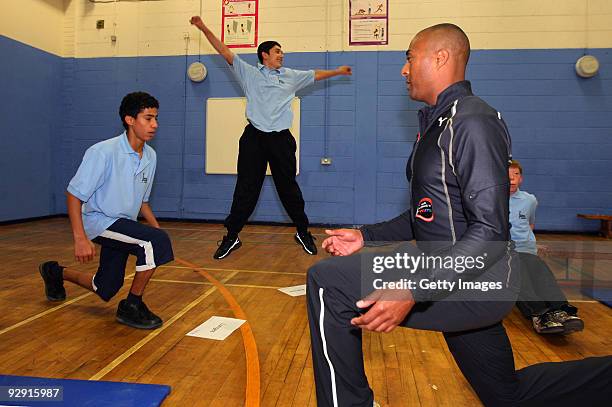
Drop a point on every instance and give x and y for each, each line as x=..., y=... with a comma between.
x=53, y=276
x=571, y=323
x=137, y=316
x=226, y=246
x=306, y=240
x=545, y=324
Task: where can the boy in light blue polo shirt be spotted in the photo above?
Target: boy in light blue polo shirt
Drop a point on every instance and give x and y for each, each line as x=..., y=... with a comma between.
x=269, y=89
x=111, y=187
x=522, y=218
x=540, y=298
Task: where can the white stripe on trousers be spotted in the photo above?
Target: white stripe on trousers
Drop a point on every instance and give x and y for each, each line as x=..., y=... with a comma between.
x=147, y=246
x=331, y=366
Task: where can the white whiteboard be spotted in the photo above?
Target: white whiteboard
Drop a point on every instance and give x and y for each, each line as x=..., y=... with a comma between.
x=225, y=122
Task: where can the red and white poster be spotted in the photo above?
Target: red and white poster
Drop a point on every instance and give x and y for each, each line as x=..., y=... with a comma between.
x=368, y=22
x=240, y=23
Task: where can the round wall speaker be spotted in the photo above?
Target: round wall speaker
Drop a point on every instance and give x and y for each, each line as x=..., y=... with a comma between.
x=197, y=72
x=587, y=66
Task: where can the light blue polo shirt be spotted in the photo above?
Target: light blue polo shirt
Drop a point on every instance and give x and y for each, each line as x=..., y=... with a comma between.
x=269, y=93
x=113, y=182
x=522, y=214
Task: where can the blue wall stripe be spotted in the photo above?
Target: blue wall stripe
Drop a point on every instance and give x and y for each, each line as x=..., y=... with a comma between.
x=30, y=113
x=559, y=123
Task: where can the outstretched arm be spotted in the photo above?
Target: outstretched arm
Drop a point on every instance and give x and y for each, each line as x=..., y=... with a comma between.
x=221, y=48
x=326, y=74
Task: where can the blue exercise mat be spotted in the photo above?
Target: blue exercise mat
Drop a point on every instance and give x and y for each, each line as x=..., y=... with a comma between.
x=603, y=295
x=41, y=391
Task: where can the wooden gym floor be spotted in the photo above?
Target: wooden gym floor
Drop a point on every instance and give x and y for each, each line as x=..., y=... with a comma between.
x=267, y=362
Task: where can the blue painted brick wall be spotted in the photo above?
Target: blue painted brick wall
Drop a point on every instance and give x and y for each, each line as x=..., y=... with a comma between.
x=366, y=123
x=560, y=128
x=30, y=85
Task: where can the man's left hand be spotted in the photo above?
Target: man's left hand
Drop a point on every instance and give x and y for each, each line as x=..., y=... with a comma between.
x=344, y=70
x=384, y=314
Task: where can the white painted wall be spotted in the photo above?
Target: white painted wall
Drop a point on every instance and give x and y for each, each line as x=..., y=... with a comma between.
x=144, y=28
x=34, y=22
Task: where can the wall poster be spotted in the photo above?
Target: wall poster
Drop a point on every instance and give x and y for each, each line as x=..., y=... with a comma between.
x=239, y=23
x=368, y=22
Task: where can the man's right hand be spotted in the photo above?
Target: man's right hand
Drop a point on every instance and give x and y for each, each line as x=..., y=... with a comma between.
x=343, y=242
x=197, y=21
x=84, y=250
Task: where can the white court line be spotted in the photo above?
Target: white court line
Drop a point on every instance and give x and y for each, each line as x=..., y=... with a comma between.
x=121, y=358
x=42, y=314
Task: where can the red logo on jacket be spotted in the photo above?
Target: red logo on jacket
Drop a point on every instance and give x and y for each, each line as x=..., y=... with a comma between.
x=424, y=210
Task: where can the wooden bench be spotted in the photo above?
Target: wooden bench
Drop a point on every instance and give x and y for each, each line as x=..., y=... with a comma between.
x=606, y=223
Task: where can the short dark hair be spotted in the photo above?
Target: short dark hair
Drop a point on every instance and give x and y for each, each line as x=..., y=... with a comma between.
x=134, y=103
x=455, y=37
x=265, y=46
x=516, y=164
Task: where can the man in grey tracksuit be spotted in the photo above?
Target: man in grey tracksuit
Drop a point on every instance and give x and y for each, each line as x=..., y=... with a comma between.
x=458, y=174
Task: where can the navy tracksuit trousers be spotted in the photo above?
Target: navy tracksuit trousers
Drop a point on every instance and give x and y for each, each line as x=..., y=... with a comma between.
x=474, y=334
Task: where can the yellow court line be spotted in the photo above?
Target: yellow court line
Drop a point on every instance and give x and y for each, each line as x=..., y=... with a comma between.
x=207, y=283
x=42, y=314
x=162, y=280
x=236, y=270
x=243, y=231
x=276, y=288
x=50, y=310
x=187, y=229
x=121, y=358
x=222, y=229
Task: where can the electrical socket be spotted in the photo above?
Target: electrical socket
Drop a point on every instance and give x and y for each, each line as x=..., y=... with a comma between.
x=185, y=36
x=326, y=161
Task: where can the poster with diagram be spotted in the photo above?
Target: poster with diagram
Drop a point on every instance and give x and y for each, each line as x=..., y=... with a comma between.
x=368, y=22
x=239, y=23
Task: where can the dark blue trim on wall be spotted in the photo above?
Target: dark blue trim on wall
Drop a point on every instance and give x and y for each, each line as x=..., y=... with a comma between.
x=30, y=111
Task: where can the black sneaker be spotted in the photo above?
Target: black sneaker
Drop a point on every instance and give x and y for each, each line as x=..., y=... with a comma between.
x=137, y=316
x=545, y=324
x=53, y=276
x=226, y=246
x=306, y=240
x=571, y=323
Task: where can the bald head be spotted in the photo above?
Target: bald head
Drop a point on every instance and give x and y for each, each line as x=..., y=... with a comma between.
x=447, y=36
x=436, y=59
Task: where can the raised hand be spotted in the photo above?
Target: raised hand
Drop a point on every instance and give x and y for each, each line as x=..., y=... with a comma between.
x=197, y=21
x=345, y=70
